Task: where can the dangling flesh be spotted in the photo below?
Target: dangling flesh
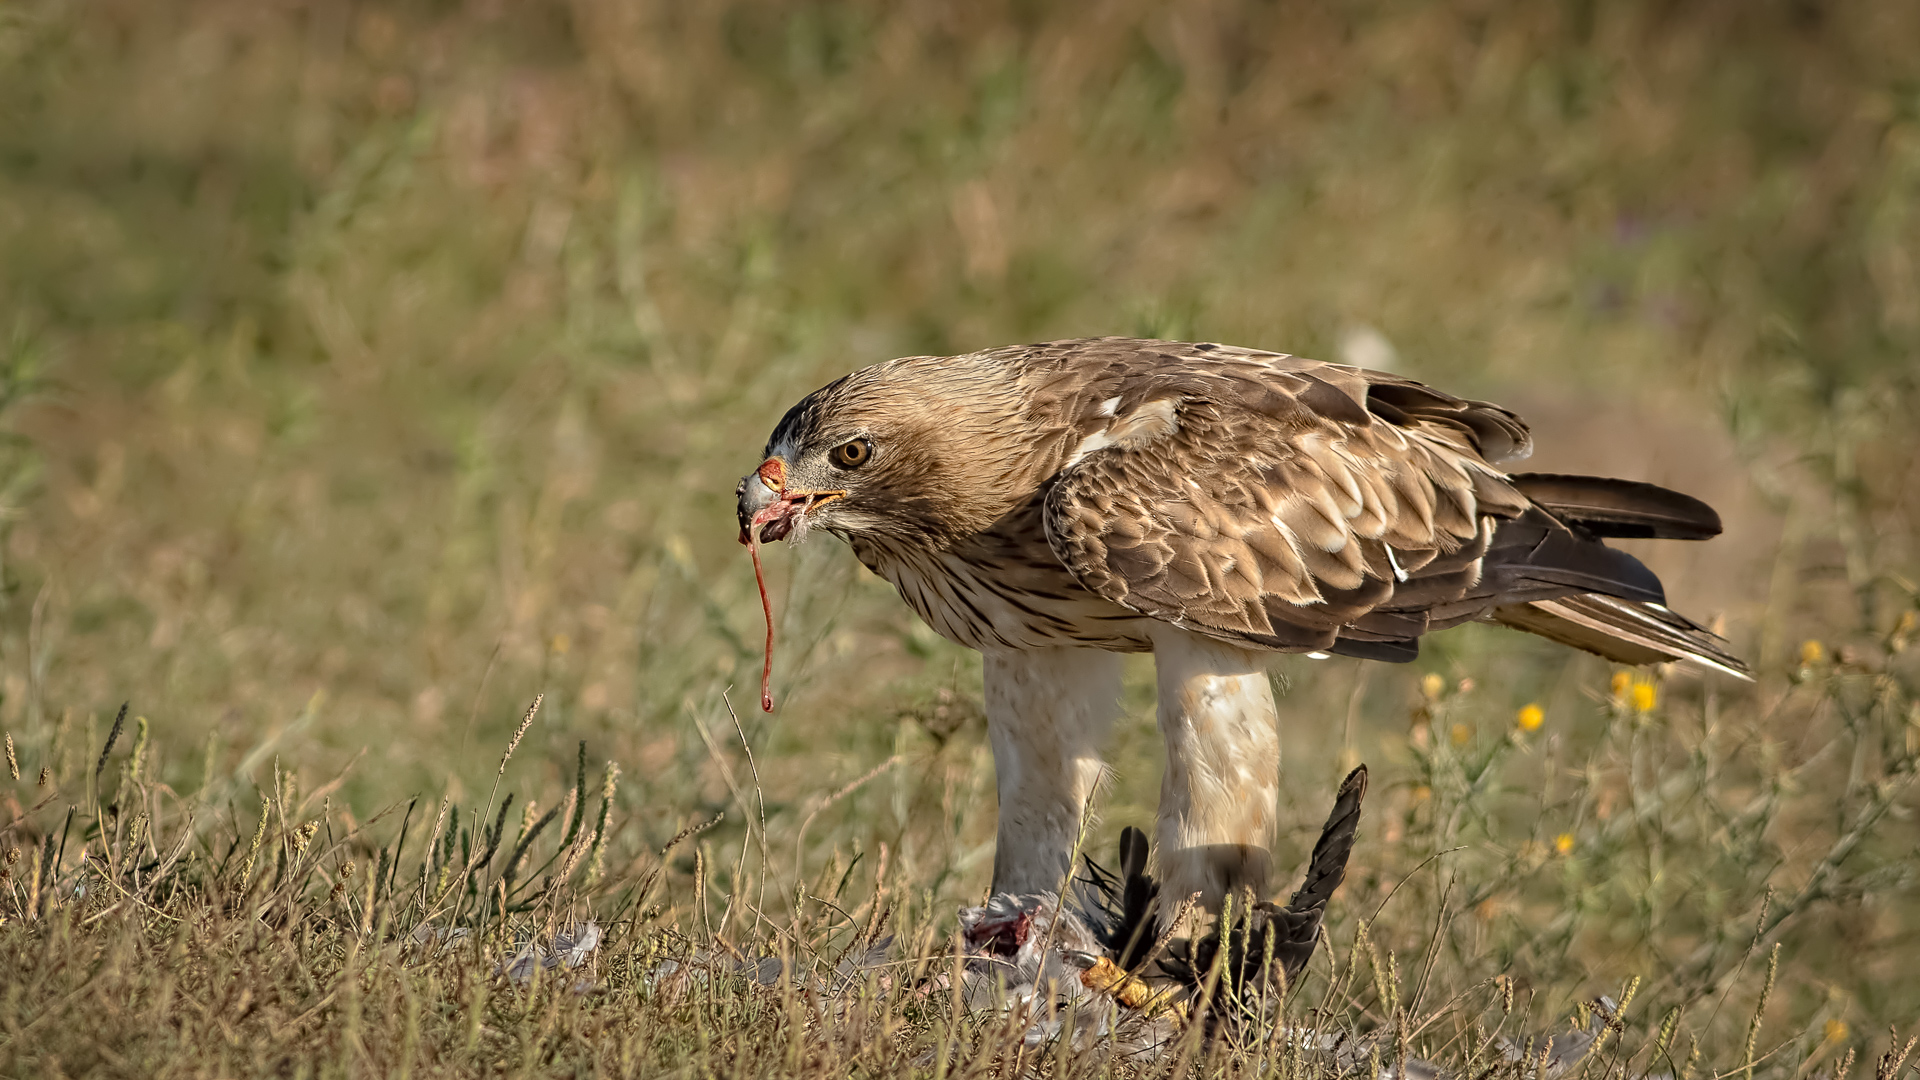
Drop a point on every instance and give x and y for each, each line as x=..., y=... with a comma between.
x=781, y=513
x=766, y=608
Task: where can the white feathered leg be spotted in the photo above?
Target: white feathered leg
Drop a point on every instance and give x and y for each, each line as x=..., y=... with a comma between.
x=1220, y=793
x=1048, y=712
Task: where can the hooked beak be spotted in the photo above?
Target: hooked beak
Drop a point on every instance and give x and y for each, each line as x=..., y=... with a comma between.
x=768, y=506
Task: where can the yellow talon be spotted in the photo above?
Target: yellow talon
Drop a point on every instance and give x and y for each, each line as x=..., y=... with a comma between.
x=1106, y=977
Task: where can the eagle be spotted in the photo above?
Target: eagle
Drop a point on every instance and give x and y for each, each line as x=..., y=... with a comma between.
x=1057, y=505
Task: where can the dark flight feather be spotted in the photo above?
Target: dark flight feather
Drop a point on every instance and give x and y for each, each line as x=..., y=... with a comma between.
x=1620, y=508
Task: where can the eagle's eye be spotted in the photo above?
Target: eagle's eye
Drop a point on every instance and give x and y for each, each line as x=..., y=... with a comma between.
x=852, y=455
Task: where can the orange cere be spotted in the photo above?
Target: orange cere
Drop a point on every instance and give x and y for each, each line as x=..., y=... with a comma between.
x=773, y=473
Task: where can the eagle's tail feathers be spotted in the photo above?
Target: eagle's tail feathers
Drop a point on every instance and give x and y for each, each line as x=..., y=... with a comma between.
x=1536, y=556
x=1625, y=631
x=1620, y=508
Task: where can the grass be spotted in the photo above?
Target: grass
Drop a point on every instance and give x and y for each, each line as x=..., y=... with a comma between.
x=372, y=369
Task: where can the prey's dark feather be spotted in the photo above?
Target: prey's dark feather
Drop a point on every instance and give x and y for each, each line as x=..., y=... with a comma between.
x=1120, y=908
x=1296, y=927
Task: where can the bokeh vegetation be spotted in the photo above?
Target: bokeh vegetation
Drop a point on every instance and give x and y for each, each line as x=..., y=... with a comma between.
x=372, y=368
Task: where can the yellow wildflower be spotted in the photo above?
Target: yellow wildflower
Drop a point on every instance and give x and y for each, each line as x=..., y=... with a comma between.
x=1422, y=793
x=1460, y=734
x=1563, y=843
x=1835, y=1030
x=1645, y=697
x=1812, y=652
x=1431, y=685
x=1530, y=717
x=1621, y=681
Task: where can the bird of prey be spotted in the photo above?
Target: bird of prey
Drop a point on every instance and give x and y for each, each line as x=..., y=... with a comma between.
x=1056, y=505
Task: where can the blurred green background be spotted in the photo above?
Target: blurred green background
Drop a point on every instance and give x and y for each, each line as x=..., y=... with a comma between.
x=381, y=365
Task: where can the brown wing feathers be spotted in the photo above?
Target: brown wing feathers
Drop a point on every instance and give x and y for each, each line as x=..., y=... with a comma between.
x=1496, y=434
x=1294, y=505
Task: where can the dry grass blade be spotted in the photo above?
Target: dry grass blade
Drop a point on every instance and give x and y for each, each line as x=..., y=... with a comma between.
x=800, y=834
x=690, y=832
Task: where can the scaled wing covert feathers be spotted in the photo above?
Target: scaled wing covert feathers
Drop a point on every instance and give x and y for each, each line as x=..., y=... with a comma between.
x=1293, y=504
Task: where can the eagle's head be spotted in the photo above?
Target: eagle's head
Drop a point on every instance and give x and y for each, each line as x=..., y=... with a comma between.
x=913, y=451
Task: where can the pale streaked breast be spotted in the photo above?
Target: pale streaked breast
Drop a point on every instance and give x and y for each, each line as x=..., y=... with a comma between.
x=1003, y=589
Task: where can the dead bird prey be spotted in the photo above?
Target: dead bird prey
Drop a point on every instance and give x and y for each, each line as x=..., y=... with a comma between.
x=1056, y=505
x=1040, y=955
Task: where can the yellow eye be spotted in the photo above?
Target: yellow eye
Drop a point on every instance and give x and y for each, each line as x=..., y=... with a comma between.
x=852, y=455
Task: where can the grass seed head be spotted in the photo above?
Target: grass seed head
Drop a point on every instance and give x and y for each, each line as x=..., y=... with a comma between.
x=138, y=759
x=259, y=835
x=521, y=731
x=113, y=736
